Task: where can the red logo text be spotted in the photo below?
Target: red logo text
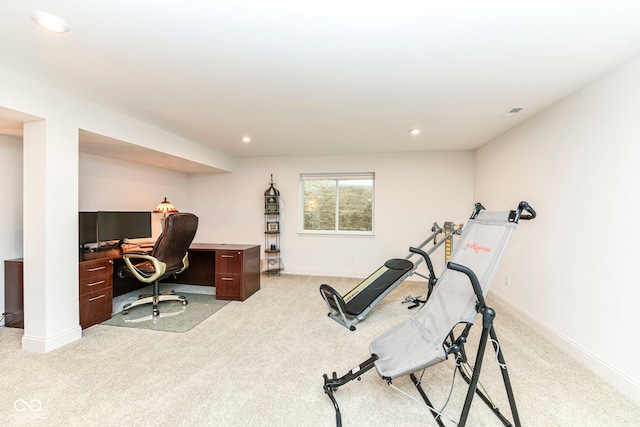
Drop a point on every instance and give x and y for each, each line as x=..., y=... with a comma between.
x=477, y=248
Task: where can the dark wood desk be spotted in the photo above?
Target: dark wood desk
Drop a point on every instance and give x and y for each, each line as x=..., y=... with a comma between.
x=233, y=269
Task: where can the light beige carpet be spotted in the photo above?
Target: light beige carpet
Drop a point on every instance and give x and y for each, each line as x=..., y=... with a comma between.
x=260, y=363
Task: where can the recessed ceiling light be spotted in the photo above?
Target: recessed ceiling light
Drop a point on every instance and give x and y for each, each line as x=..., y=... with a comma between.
x=246, y=139
x=50, y=22
x=414, y=132
x=510, y=113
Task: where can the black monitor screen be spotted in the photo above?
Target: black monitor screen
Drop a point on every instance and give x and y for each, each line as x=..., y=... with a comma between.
x=88, y=227
x=123, y=225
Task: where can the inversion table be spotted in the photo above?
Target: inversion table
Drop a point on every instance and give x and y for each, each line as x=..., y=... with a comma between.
x=354, y=306
x=429, y=337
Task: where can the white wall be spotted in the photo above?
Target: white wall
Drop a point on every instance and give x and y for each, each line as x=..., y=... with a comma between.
x=11, y=213
x=573, y=268
x=111, y=185
x=412, y=190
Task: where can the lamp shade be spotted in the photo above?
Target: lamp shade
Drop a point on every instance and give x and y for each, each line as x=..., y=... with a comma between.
x=165, y=207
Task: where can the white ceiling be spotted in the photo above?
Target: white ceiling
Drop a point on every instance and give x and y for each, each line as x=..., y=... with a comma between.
x=348, y=76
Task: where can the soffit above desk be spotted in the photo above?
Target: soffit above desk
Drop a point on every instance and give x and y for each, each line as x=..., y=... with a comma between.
x=12, y=122
x=104, y=146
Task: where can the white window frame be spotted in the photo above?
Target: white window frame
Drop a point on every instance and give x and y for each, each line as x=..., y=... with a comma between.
x=336, y=177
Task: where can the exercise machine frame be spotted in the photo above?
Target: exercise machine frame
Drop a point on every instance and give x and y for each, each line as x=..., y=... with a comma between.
x=345, y=314
x=454, y=346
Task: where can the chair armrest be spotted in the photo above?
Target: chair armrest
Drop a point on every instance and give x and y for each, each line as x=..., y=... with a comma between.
x=159, y=266
x=185, y=263
x=132, y=253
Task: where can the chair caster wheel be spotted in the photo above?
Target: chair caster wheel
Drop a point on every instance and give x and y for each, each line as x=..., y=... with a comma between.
x=156, y=312
x=185, y=302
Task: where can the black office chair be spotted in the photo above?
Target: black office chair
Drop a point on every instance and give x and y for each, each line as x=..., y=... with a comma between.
x=168, y=257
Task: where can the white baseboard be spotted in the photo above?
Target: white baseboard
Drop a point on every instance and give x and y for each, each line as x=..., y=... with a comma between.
x=45, y=345
x=610, y=374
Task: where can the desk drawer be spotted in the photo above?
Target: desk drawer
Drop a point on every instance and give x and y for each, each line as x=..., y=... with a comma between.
x=96, y=307
x=95, y=268
x=228, y=286
x=96, y=283
x=228, y=262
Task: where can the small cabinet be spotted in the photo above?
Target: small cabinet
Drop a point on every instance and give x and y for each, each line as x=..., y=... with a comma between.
x=96, y=291
x=236, y=277
x=229, y=275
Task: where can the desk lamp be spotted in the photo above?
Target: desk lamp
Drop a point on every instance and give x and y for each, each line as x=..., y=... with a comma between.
x=165, y=207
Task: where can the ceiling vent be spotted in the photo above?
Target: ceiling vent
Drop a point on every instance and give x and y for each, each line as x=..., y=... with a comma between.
x=512, y=112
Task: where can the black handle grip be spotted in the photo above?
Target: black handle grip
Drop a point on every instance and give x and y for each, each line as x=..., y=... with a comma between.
x=475, y=283
x=426, y=257
x=432, y=274
x=476, y=210
x=517, y=214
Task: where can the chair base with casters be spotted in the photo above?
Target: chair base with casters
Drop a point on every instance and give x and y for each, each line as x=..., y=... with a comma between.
x=154, y=299
x=152, y=270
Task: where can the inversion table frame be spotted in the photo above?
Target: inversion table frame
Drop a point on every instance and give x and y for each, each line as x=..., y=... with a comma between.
x=406, y=350
x=355, y=305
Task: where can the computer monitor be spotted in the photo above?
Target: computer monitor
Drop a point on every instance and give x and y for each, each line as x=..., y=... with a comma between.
x=87, y=227
x=123, y=225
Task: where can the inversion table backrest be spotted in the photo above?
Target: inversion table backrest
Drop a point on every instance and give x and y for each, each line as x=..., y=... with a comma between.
x=418, y=342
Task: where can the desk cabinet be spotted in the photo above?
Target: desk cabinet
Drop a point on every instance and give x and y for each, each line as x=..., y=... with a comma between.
x=96, y=296
x=237, y=273
x=96, y=291
x=228, y=275
x=13, y=293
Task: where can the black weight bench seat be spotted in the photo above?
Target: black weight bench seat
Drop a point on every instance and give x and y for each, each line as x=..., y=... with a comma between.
x=395, y=269
x=361, y=298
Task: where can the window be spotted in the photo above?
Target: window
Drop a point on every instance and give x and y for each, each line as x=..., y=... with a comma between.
x=337, y=203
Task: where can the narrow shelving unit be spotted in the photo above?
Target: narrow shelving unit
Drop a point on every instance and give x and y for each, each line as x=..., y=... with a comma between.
x=272, y=257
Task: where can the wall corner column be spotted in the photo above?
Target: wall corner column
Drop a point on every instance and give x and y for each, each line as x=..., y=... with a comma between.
x=50, y=237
